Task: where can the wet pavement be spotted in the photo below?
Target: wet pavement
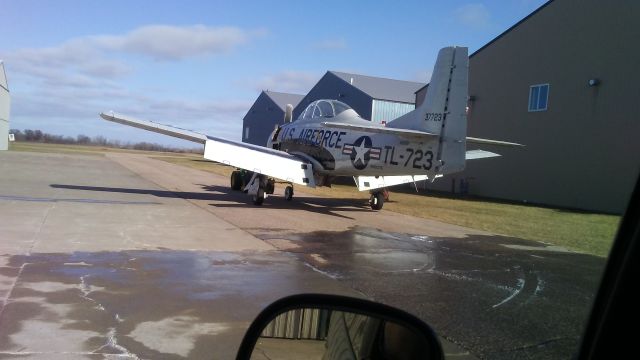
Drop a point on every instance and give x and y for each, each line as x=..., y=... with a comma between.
x=143, y=304
x=131, y=257
x=498, y=297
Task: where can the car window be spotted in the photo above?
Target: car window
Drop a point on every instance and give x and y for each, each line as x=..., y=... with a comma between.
x=468, y=163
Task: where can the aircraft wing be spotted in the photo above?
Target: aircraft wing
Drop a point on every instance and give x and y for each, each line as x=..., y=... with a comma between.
x=472, y=140
x=407, y=133
x=270, y=162
x=479, y=154
x=155, y=127
x=412, y=134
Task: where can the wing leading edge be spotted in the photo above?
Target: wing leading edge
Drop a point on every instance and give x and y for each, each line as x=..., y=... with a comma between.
x=274, y=163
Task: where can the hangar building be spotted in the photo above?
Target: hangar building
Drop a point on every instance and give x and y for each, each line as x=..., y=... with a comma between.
x=267, y=111
x=374, y=98
x=564, y=81
x=5, y=102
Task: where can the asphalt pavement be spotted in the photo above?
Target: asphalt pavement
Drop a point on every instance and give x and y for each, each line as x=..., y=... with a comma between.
x=131, y=256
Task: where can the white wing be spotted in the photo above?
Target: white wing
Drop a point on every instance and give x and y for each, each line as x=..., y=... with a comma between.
x=270, y=162
x=479, y=154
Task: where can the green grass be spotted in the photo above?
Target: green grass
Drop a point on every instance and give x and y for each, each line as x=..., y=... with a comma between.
x=578, y=231
x=83, y=149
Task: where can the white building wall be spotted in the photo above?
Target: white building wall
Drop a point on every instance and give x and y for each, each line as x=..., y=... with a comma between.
x=5, y=102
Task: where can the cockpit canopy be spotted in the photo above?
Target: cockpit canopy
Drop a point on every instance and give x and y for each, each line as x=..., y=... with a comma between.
x=323, y=109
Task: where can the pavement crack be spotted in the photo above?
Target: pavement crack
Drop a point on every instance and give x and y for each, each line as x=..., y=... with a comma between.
x=7, y=298
x=112, y=342
x=86, y=290
x=34, y=241
x=539, y=344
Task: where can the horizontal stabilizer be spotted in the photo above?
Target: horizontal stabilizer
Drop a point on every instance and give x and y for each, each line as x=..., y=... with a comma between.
x=472, y=140
x=377, y=182
x=479, y=154
x=406, y=133
x=156, y=127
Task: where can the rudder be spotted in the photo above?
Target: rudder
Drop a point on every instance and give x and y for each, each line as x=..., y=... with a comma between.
x=444, y=109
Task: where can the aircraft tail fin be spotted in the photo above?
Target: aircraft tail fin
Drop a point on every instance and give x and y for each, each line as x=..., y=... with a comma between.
x=444, y=110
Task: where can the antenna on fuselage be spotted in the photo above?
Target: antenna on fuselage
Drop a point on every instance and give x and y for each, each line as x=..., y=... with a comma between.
x=288, y=113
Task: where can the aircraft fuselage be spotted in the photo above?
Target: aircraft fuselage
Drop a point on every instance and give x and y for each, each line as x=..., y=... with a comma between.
x=344, y=152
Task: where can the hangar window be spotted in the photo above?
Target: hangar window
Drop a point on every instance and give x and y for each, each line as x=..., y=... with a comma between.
x=538, y=97
x=246, y=132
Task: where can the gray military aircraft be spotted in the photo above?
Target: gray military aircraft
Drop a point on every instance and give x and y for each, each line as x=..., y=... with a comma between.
x=329, y=139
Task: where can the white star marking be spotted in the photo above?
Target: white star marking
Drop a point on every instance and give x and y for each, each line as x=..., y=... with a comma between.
x=360, y=152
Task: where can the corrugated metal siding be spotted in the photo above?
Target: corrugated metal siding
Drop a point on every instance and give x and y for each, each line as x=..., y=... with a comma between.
x=309, y=324
x=261, y=119
x=331, y=86
x=558, y=168
x=388, y=110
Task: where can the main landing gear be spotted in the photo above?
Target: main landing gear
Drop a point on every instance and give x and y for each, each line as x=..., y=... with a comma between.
x=258, y=186
x=237, y=180
x=288, y=193
x=378, y=198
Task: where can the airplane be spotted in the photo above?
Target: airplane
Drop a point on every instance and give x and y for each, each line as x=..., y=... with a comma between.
x=329, y=139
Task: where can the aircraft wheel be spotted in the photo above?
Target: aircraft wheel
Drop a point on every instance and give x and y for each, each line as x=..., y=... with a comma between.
x=258, y=199
x=271, y=186
x=288, y=193
x=236, y=180
x=376, y=201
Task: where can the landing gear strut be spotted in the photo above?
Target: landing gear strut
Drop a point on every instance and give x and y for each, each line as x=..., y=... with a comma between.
x=288, y=193
x=376, y=200
x=258, y=198
x=259, y=187
x=236, y=180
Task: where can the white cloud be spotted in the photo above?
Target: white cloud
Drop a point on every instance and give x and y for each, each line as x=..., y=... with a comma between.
x=473, y=15
x=71, y=59
x=90, y=55
x=64, y=87
x=331, y=44
x=298, y=82
x=76, y=111
x=165, y=42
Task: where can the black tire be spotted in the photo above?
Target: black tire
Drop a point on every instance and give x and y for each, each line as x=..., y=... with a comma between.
x=376, y=201
x=288, y=193
x=271, y=186
x=236, y=180
x=258, y=199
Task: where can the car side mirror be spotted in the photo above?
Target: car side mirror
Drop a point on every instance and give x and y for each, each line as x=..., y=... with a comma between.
x=314, y=326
